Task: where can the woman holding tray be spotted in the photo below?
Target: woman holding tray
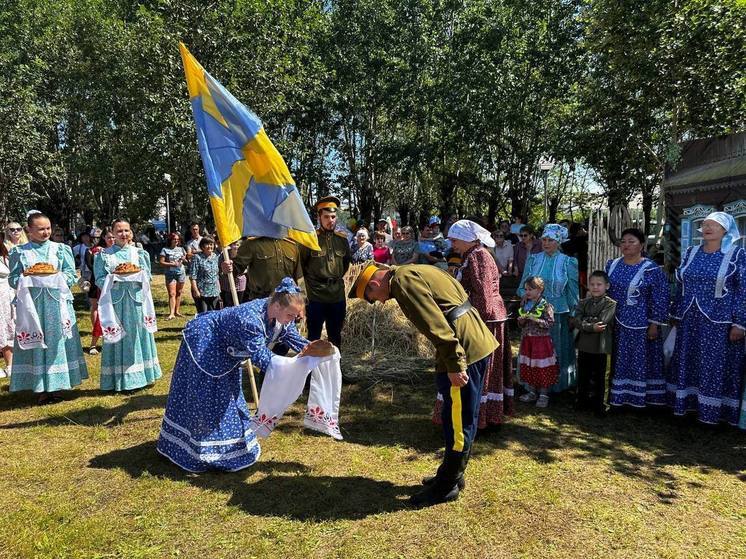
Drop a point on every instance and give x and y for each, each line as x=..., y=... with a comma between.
x=47, y=355
x=129, y=359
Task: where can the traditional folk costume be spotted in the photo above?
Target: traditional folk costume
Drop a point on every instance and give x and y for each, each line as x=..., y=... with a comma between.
x=641, y=294
x=207, y=424
x=129, y=357
x=480, y=277
x=707, y=369
x=593, y=349
x=47, y=355
x=438, y=307
x=537, y=358
x=560, y=275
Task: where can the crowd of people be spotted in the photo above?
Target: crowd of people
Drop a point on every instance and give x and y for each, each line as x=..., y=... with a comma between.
x=683, y=347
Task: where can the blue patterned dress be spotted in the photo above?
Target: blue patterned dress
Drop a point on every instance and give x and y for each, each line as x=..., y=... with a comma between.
x=204, y=271
x=641, y=294
x=132, y=362
x=61, y=365
x=706, y=373
x=560, y=275
x=207, y=423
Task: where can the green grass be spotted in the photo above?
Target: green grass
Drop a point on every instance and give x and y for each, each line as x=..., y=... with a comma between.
x=82, y=479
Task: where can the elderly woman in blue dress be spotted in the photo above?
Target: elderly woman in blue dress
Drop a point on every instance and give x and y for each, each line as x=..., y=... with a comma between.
x=47, y=354
x=560, y=275
x=129, y=358
x=207, y=424
x=640, y=289
x=709, y=312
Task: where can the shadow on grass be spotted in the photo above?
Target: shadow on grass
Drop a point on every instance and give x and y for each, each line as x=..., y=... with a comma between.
x=287, y=489
x=90, y=416
x=639, y=444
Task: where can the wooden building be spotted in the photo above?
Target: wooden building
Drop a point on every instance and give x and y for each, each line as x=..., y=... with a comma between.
x=710, y=176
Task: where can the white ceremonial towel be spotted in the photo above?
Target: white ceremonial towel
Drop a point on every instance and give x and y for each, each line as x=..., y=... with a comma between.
x=110, y=323
x=283, y=384
x=322, y=411
x=29, y=332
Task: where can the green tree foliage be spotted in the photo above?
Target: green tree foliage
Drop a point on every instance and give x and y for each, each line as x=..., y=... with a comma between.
x=425, y=106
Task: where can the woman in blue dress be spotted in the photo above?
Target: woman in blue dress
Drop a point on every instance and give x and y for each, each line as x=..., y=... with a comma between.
x=560, y=275
x=207, y=424
x=640, y=289
x=129, y=358
x=47, y=353
x=709, y=312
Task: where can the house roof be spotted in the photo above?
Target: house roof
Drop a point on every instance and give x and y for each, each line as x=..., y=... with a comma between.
x=709, y=164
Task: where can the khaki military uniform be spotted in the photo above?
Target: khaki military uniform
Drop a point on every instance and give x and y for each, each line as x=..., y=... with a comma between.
x=266, y=261
x=425, y=294
x=324, y=270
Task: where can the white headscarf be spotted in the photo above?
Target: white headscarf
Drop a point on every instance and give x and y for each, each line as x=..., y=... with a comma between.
x=469, y=231
x=727, y=222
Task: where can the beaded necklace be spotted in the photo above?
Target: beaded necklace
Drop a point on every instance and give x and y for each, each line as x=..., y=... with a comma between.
x=535, y=310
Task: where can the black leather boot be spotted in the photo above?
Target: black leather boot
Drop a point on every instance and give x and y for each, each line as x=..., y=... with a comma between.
x=461, y=480
x=445, y=486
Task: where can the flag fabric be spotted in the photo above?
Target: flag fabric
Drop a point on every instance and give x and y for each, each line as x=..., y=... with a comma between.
x=250, y=187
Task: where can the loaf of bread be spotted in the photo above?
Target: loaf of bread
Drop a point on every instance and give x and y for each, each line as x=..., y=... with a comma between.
x=319, y=348
x=126, y=268
x=40, y=269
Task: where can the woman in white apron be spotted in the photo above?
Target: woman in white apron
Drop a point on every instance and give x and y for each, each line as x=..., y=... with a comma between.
x=47, y=353
x=129, y=358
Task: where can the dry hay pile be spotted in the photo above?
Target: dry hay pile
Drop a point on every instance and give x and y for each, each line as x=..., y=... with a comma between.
x=382, y=330
x=380, y=342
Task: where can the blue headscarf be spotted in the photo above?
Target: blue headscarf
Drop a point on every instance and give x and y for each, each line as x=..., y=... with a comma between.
x=555, y=232
x=287, y=285
x=727, y=222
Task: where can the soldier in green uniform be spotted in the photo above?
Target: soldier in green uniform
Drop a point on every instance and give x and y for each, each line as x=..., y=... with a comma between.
x=324, y=272
x=439, y=308
x=265, y=261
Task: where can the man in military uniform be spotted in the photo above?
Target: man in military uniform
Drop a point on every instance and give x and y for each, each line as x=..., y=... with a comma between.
x=265, y=261
x=439, y=308
x=324, y=271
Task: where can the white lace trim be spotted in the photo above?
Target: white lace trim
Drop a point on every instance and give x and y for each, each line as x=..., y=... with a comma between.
x=210, y=456
x=706, y=400
x=39, y=370
x=546, y=362
x=195, y=442
x=132, y=369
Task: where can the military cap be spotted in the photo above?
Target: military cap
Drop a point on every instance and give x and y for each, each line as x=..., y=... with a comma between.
x=329, y=203
x=357, y=290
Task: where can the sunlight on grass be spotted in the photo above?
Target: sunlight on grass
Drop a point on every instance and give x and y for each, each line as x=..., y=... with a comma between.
x=81, y=479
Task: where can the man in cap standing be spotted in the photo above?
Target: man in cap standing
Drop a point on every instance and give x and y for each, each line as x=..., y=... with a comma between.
x=324, y=272
x=439, y=308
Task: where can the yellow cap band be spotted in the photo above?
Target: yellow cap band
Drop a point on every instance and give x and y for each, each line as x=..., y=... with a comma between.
x=325, y=205
x=363, y=279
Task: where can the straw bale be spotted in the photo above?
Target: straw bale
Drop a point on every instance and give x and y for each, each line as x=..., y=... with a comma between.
x=382, y=330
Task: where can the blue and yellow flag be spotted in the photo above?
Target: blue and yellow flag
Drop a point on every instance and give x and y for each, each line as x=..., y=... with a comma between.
x=250, y=187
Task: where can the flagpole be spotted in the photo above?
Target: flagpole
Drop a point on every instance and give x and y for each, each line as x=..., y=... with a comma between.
x=246, y=364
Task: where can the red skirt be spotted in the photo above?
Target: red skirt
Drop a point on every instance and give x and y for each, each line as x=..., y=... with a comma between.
x=538, y=362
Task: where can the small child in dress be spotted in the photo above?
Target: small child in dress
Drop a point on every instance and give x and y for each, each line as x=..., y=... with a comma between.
x=593, y=318
x=537, y=359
